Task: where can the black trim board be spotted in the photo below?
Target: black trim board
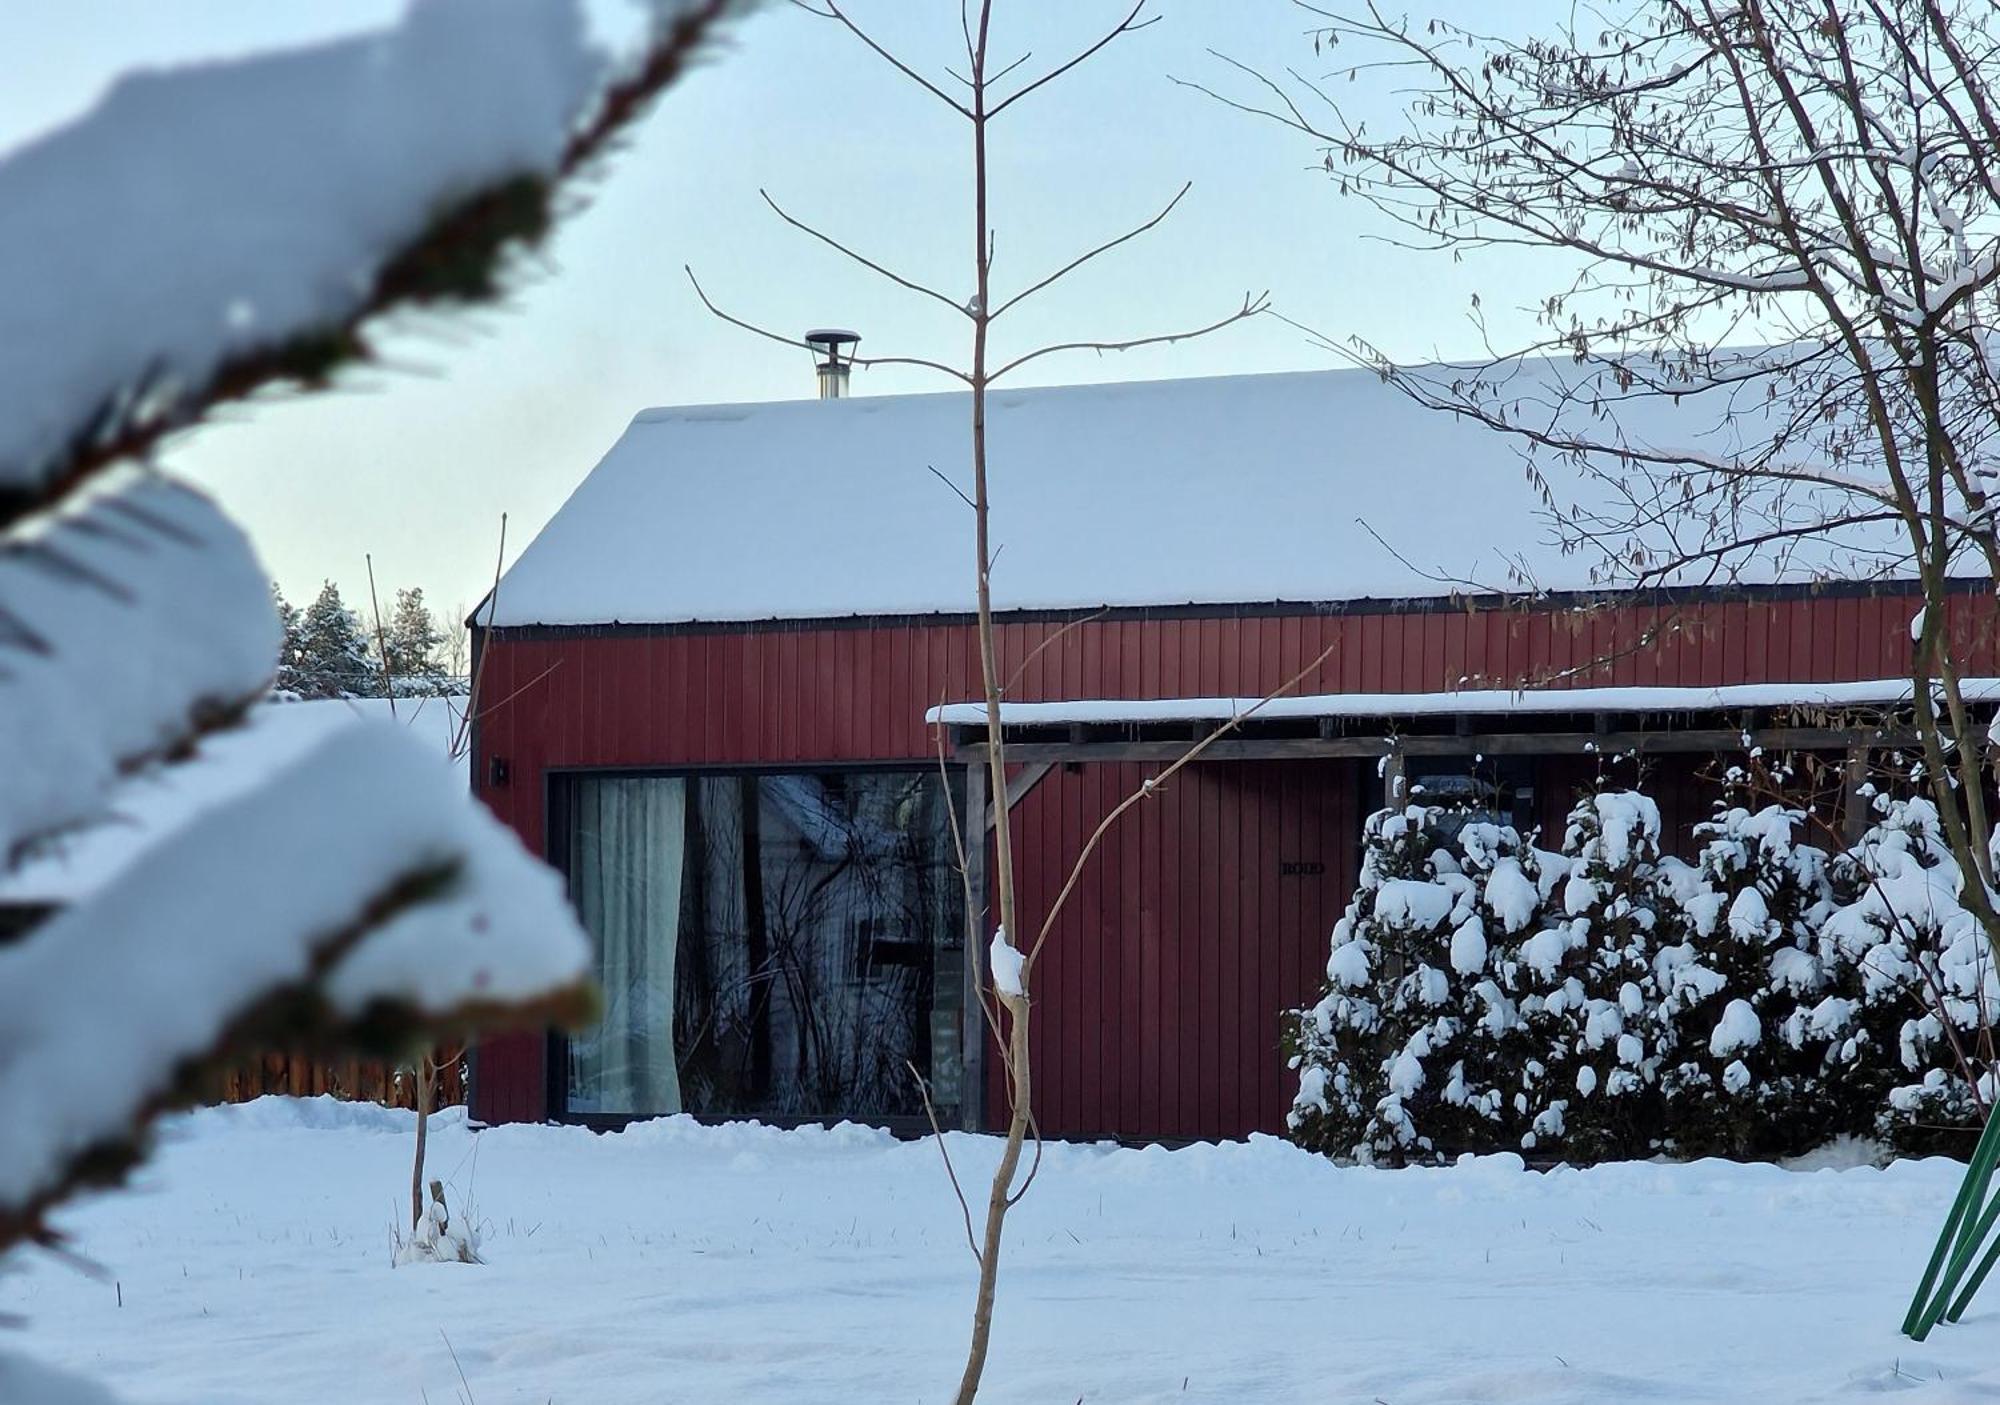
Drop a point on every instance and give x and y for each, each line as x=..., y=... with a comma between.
x=1525, y=603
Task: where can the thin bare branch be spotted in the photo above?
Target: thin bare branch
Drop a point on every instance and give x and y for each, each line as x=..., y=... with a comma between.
x=1034, y=1165
x=834, y=12
x=1103, y=248
x=1151, y=786
x=958, y=491
x=461, y=737
x=1056, y=638
x=974, y=919
x=1131, y=24
x=783, y=340
x=1006, y=69
x=944, y=1153
x=898, y=279
x=1253, y=306
x=381, y=636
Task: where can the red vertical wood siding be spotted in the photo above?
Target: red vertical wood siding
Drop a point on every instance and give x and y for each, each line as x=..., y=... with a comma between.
x=1159, y=1014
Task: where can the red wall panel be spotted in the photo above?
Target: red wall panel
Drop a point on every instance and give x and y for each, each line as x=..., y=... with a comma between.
x=1157, y=1015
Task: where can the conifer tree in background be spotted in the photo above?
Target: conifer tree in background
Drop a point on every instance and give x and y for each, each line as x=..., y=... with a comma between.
x=334, y=659
x=1739, y=986
x=412, y=646
x=286, y=679
x=1589, y=1002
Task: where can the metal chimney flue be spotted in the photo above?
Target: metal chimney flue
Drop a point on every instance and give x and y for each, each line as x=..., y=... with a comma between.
x=835, y=359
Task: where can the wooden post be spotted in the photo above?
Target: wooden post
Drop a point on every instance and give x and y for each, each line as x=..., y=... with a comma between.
x=972, y=1080
x=1854, y=805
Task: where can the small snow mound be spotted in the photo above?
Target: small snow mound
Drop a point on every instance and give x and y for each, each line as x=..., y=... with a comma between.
x=440, y=1236
x=1845, y=1152
x=1739, y=1028
x=1468, y=947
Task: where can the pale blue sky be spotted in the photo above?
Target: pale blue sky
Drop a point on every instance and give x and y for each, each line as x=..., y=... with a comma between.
x=507, y=410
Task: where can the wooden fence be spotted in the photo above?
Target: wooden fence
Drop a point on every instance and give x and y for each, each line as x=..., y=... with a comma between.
x=354, y=1079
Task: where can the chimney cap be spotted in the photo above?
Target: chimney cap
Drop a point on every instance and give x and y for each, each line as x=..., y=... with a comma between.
x=835, y=348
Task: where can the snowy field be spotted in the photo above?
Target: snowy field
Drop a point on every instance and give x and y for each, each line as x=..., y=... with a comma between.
x=681, y=1263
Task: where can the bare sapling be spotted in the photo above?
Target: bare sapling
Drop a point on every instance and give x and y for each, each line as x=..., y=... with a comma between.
x=424, y=1068
x=423, y=1096
x=980, y=95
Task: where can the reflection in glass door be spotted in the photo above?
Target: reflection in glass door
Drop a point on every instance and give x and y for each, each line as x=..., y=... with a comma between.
x=783, y=945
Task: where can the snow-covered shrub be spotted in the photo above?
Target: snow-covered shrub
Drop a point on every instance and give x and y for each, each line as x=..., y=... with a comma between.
x=440, y=1237
x=1515, y=882
x=1585, y=981
x=1611, y=1001
x=1914, y=1011
x=1743, y=985
x=1403, y=1056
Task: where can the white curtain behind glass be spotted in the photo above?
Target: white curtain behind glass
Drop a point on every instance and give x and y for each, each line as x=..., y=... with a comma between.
x=627, y=849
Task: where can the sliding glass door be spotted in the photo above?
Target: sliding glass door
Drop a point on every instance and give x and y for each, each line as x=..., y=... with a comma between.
x=785, y=945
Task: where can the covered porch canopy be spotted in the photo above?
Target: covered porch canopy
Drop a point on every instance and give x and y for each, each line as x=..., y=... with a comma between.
x=1855, y=718
x=1487, y=721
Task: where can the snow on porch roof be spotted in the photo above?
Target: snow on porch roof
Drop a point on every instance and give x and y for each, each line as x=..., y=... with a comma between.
x=1299, y=487
x=1470, y=702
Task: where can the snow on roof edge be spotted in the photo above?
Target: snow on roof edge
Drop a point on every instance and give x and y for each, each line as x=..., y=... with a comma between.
x=1312, y=707
x=813, y=404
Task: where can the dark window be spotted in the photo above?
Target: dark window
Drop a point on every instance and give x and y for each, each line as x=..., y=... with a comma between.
x=779, y=945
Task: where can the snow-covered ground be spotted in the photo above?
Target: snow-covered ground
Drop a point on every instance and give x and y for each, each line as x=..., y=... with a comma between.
x=681, y=1263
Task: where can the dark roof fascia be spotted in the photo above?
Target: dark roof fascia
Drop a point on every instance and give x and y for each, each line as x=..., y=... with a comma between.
x=1546, y=602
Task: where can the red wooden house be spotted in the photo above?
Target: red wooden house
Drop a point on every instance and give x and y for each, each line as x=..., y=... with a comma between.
x=720, y=694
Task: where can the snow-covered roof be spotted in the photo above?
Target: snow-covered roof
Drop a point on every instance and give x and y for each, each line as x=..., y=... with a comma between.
x=1296, y=487
x=1878, y=692
x=148, y=807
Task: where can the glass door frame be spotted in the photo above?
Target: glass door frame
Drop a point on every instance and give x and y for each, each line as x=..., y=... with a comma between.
x=958, y=980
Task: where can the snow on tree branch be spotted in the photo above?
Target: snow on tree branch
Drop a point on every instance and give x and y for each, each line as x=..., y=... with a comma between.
x=209, y=229
x=126, y=625
x=355, y=901
x=201, y=234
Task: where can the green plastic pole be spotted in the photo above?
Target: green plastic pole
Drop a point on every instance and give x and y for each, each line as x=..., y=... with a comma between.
x=1971, y=1191
x=1957, y=1309
x=1961, y=1259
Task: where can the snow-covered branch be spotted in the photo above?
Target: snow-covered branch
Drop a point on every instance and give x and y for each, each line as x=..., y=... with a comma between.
x=200, y=234
x=127, y=625
x=207, y=230
x=356, y=902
